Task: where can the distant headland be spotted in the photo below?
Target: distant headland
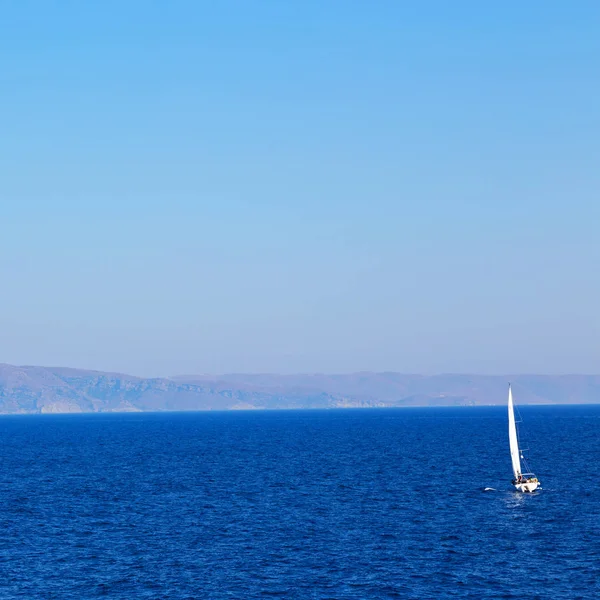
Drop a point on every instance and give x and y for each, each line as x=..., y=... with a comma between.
x=29, y=389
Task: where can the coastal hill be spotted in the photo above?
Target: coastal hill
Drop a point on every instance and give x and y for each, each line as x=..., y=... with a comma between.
x=29, y=389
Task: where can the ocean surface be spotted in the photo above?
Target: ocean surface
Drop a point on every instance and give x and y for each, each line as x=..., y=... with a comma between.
x=304, y=504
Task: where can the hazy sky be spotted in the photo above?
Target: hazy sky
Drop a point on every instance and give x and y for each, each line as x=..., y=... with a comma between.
x=327, y=186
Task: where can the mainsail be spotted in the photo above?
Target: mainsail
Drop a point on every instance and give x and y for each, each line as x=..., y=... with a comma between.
x=512, y=436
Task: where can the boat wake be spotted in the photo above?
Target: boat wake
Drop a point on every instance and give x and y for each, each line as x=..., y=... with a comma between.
x=490, y=490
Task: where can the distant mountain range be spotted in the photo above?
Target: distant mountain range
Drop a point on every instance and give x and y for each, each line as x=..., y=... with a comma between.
x=58, y=390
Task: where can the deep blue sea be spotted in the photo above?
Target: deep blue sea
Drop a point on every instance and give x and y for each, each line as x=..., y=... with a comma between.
x=300, y=504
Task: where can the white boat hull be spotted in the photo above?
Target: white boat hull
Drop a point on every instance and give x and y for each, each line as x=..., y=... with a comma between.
x=529, y=486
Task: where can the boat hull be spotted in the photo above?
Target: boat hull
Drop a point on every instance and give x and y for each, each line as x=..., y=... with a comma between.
x=527, y=487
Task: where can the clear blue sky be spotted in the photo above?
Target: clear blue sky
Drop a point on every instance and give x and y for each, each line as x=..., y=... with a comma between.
x=325, y=186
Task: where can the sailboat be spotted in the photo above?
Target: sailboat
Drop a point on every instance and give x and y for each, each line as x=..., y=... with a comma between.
x=524, y=482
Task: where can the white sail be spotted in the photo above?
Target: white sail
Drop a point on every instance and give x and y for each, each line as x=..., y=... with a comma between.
x=512, y=436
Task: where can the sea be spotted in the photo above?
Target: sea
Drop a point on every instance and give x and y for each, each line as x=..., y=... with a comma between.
x=366, y=503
